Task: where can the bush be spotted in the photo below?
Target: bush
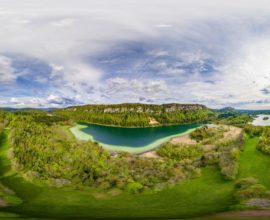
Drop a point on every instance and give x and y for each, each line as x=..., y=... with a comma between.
x=230, y=171
x=206, y=133
x=245, y=182
x=253, y=131
x=211, y=158
x=134, y=187
x=264, y=142
x=180, y=152
x=229, y=156
x=253, y=191
x=228, y=163
x=249, y=188
x=1, y=127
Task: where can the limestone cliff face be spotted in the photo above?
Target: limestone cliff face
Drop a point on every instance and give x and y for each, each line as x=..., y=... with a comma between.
x=138, y=108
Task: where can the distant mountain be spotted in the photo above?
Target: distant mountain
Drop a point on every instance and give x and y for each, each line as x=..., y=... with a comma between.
x=24, y=109
x=227, y=112
x=230, y=111
x=254, y=112
x=8, y=109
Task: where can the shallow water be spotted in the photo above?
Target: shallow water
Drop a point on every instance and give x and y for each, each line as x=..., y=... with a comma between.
x=258, y=121
x=133, y=140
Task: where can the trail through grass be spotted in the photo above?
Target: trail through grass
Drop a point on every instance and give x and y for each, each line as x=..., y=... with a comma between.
x=254, y=163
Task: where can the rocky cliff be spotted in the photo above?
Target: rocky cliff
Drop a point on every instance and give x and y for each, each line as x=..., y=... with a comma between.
x=138, y=108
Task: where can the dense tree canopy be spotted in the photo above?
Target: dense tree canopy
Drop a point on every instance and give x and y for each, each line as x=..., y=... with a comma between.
x=49, y=152
x=43, y=148
x=137, y=115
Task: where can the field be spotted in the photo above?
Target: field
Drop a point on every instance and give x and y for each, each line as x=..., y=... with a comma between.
x=254, y=163
x=206, y=195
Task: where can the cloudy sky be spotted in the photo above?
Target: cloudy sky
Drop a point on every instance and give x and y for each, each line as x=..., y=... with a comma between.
x=57, y=53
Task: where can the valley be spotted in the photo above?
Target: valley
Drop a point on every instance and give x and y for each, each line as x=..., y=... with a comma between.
x=46, y=170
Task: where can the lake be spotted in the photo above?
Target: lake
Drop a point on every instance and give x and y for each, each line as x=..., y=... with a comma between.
x=133, y=140
x=259, y=121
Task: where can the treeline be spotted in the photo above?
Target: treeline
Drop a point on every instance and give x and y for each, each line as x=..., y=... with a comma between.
x=239, y=120
x=49, y=152
x=5, y=118
x=263, y=132
x=137, y=115
x=2, y=118
x=264, y=141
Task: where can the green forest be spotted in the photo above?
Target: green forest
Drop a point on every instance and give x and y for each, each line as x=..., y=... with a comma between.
x=138, y=115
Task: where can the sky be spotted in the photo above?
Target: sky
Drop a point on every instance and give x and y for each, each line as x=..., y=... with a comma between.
x=57, y=53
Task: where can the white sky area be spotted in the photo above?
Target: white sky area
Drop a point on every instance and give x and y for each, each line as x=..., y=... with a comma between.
x=55, y=53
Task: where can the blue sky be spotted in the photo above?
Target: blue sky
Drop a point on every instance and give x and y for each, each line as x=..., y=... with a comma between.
x=56, y=53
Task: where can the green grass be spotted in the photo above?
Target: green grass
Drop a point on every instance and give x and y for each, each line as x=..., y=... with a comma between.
x=201, y=196
x=186, y=200
x=254, y=163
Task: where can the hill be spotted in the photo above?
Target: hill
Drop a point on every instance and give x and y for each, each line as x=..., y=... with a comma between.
x=138, y=115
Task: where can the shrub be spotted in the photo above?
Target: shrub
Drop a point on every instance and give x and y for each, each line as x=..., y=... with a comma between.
x=1, y=127
x=180, y=152
x=211, y=158
x=264, y=142
x=245, y=182
x=206, y=133
x=249, y=188
x=134, y=187
x=229, y=156
x=253, y=131
x=230, y=171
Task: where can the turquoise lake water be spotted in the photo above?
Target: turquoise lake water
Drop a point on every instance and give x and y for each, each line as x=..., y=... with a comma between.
x=134, y=140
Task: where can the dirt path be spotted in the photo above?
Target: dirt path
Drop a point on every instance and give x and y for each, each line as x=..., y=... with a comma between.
x=150, y=154
x=244, y=214
x=232, y=131
x=185, y=139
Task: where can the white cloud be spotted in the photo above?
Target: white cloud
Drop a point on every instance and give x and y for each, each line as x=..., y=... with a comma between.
x=163, y=25
x=123, y=90
x=7, y=74
x=67, y=34
x=66, y=22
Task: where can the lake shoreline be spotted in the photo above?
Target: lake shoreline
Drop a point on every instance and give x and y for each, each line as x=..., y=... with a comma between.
x=79, y=134
x=260, y=120
x=150, y=126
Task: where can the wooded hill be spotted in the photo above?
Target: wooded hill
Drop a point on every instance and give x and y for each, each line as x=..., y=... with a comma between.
x=138, y=115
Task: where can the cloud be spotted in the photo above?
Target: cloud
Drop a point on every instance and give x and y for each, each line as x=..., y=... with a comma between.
x=163, y=25
x=7, y=74
x=123, y=90
x=66, y=22
x=58, y=53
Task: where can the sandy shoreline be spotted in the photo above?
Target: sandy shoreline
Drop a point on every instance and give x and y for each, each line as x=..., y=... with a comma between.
x=230, y=132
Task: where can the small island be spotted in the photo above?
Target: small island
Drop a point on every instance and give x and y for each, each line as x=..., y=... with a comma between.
x=265, y=118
